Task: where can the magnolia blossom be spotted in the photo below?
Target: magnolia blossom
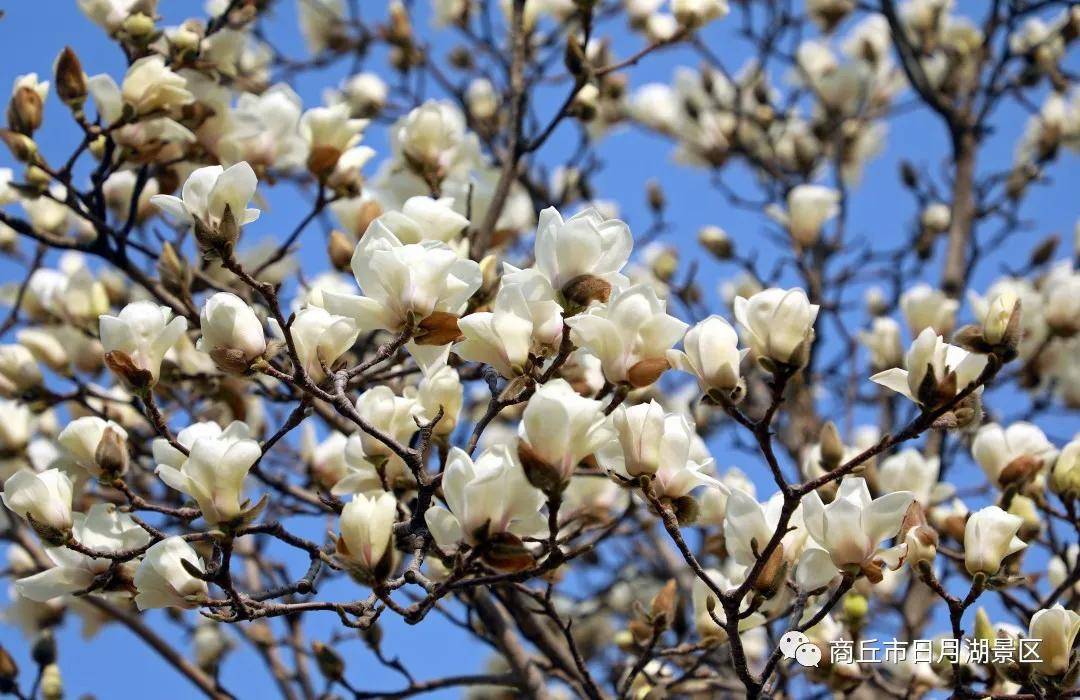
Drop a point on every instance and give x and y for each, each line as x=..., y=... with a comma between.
x=43, y=498
x=366, y=541
x=441, y=391
x=1056, y=629
x=780, y=324
x=925, y=307
x=1012, y=454
x=1065, y=478
x=989, y=537
x=213, y=474
x=853, y=526
x=211, y=191
x=365, y=93
x=373, y=464
x=711, y=353
x=749, y=526
x=103, y=529
x=694, y=13
x=320, y=338
x=484, y=498
x=329, y=132
x=406, y=284
x=322, y=22
x=97, y=445
x=137, y=339
x=162, y=581
x=432, y=139
x=150, y=86
x=910, y=470
x=883, y=342
x=326, y=459
x=558, y=429
x=651, y=442
x=231, y=332
x=425, y=219
x=808, y=208
x=525, y=320
x=18, y=370
x=934, y=370
x=587, y=246
x=631, y=334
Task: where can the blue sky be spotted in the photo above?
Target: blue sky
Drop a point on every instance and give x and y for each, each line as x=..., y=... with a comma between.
x=32, y=33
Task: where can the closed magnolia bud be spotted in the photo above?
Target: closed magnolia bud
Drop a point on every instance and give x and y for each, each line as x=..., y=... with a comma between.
x=70, y=79
x=51, y=685
x=664, y=605
x=716, y=241
x=22, y=147
x=989, y=537
x=935, y=218
x=331, y=664
x=25, y=111
x=138, y=25
x=586, y=103
x=665, y=263
x=232, y=333
x=855, y=608
x=655, y=195
x=832, y=447
x=1056, y=629
x=43, y=651
x=174, y=271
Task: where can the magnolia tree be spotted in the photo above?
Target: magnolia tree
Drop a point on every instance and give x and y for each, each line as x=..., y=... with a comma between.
x=481, y=410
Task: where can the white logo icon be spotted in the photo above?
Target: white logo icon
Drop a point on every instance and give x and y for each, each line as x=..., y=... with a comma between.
x=796, y=645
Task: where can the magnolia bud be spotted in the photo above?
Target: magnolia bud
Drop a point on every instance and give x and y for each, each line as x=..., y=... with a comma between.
x=9, y=671
x=832, y=448
x=70, y=79
x=51, y=685
x=22, y=147
x=339, y=249
x=25, y=111
x=664, y=605
x=585, y=289
x=330, y=663
x=716, y=241
x=138, y=25
x=855, y=609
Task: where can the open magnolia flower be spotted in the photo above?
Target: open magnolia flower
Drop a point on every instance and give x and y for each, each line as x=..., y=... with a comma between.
x=213, y=474
x=934, y=371
x=631, y=334
x=215, y=203
x=558, y=429
x=582, y=256
x=488, y=500
x=102, y=529
x=162, y=580
x=853, y=527
x=749, y=527
x=423, y=286
x=320, y=337
x=135, y=342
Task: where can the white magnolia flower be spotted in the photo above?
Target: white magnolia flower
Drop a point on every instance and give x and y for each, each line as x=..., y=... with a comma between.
x=208, y=192
x=110, y=14
x=710, y=352
x=365, y=93
x=44, y=497
x=367, y=535
x=694, y=13
x=329, y=132
x=925, y=307
x=658, y=444
x=1056, y=629
x=559, y=428
x=441, y=389
x=16, y=426
x=231, y=332
x=263, y=130
x=19, y=371
x=585, y=245
x=1065, y=478
x=1013, y=453
x=989, y=537
x=631, y=335
x=162, y=581
x=432, y=139
x=322, y=22
x=326, y=459
x=150, y=86
x=808, y=208
x=164, y=452
x=910, y=470
x=883, y=342
x=137, y=339
x=405, y=285
x=213, y=474
x=525, y=319
x=484, y=498
x=749, y=525
x=371, y=460
x=320, y=338
x=103, y=529
x=853, y=526
x=780, y=323
x=95, y=444
x=931, y=354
